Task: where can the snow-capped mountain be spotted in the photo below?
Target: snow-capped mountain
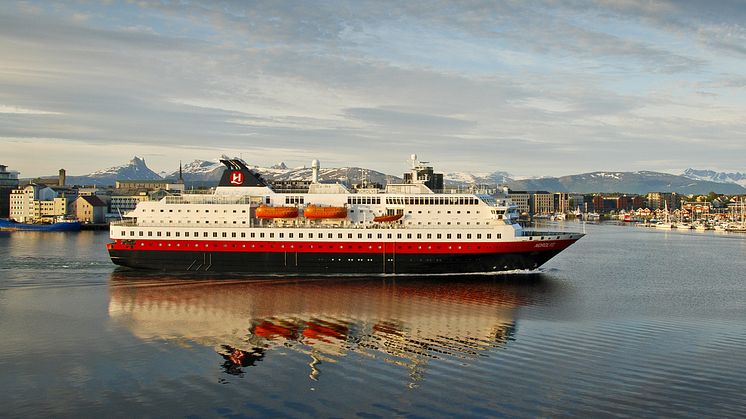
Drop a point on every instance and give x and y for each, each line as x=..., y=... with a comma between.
x=626, y=182
x=713, y=176
x=346, y=175
x=484, y=178
x=136, y=169
x=208, y=172
x=200, y=171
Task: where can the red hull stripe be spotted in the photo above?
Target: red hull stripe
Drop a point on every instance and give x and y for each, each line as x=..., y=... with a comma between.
x=341, y=247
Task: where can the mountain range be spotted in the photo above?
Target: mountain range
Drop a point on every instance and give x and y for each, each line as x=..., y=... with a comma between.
x=627, y=182
x=207, y=173
x=713, y=176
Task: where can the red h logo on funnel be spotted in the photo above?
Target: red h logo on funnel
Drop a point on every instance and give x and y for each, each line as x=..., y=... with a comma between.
x=236, y=178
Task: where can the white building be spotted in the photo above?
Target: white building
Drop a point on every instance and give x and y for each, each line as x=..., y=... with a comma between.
x=122, y=204
x=35, y=201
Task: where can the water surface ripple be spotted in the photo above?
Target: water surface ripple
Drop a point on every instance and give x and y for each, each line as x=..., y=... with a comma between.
x=627, y=322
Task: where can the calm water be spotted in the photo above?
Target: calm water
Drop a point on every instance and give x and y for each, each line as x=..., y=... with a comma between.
x=628, y=321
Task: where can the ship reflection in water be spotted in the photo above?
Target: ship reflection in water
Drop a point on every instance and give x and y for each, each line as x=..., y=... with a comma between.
x=406, y=322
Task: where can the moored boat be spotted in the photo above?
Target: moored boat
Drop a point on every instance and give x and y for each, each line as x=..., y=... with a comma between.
x=64, y=225
x=736, y=228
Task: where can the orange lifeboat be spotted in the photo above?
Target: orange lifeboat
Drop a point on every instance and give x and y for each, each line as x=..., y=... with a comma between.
x=313, y=212
x=265, y=211
x=387, y=218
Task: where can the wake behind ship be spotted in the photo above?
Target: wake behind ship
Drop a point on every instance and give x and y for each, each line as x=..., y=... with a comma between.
x=246, y=227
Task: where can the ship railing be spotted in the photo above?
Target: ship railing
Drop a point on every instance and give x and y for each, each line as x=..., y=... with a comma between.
x=376, y=226
x=208, y=199
x=543, y=234
x=124, y=223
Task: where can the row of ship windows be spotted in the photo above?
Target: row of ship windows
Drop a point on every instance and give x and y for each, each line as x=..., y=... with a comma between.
x=145, y=221
x=311, y=235
x=311, y=246
x=433, y=200
x=215, y=211
x=364, y=200
x=372, y=201
x=448, y=223
x=413, y=200
x=411, y=212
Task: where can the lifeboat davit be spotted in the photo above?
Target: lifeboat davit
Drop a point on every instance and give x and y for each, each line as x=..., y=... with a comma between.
x=313, y=212
x=265, y=211
x=387, y=218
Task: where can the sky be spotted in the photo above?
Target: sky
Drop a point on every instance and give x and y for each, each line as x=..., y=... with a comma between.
x=532, y=88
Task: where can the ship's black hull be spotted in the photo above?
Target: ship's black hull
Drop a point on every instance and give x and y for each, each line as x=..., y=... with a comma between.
x=298, y=263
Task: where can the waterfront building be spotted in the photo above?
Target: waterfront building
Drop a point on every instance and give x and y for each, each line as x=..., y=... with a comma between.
x=576, y=201
x=736, y=209
x=22, y=201
x=584, y=202
x=560, y=203
x=598, y=203
x=614, y=203
x=8, y=182
x=623, y=203
x=103, y=193
x=90, y=209
x=543, y=203
x=522, y=200
x=175, y=186
x=637, y=201
x=698, y=210
x=37, y=201
x=659, y=200
x=50, y=209
x=122, y=204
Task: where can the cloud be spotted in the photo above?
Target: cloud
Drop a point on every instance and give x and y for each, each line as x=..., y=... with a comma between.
x=389, y=117
x=5, y=109
x=540, y=88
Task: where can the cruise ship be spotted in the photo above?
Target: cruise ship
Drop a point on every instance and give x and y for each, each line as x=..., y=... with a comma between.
x=245, y=226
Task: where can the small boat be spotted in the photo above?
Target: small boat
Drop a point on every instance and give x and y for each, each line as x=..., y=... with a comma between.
x=63, y=225
x=700, y=226
x=592, y=216
x=314, y=212
x=267, y=212
x=387, y=218
x=736, y=228
x=666, y=224
x=629, y=218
